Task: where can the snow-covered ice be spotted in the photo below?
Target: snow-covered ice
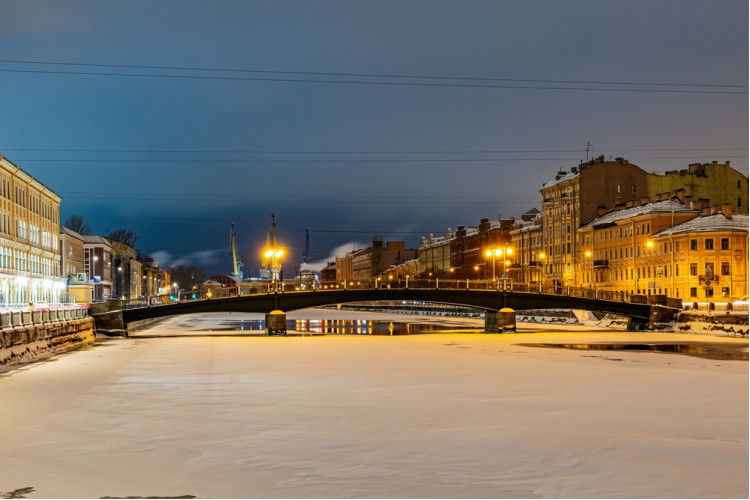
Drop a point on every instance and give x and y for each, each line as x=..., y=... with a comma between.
x=182, y=412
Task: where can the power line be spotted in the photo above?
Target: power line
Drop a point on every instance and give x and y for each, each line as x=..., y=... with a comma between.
x=291, y=151
x=217, y=161
x=378, y=83
x=364, y=75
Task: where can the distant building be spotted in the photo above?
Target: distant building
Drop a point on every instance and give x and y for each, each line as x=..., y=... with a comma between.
x=469, y=250
x=435, y=254
x=126, y=271
x=97, y=264
x=716, y=182
x=529, y=256
x=369, y=263
x=328, y=273
x=73, y=266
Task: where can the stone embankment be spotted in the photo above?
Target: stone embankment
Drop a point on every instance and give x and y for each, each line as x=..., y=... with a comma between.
x=29, y=336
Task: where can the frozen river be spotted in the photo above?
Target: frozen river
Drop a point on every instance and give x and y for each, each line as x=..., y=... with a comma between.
x=189, y=408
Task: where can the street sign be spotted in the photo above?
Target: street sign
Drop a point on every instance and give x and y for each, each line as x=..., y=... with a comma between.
x=97, y=279
x=81, y=277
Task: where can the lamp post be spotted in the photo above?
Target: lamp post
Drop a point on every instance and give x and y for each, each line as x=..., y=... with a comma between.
x=275, y=255
x=499, y=252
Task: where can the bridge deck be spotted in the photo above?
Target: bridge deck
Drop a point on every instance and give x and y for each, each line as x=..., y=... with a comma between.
x=489, y=300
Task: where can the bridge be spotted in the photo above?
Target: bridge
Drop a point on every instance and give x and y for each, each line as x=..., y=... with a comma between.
x=640, y=310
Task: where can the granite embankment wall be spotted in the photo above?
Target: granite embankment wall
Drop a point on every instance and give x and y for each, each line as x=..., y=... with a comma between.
x=28, y=336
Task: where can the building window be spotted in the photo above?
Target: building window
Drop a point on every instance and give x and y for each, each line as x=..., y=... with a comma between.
x=676, y=269
x=709, y=243
x=725, y=291
x=725, y=243
x=739, y=202
x=725, y=268
x=693, y=291
x=709, y=292
x=693, y=245
x=693, y=269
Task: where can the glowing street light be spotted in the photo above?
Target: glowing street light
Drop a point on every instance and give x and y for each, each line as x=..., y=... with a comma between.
x=503, y=252
x=275, y=255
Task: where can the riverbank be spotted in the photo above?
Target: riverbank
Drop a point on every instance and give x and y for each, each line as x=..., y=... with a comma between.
x=221, y=414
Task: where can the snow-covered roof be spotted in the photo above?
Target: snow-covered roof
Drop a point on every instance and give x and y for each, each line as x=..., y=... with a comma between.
x=560, y=178
x=709, y=223
x=70, y=232
x=614, y=215
x=94, y=239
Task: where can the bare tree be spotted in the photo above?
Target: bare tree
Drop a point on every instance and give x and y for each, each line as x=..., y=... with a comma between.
x=188, y=276
x=125, y=236
x=75, y=222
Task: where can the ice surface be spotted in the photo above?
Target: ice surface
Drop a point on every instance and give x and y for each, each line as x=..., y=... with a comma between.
x=438, y=415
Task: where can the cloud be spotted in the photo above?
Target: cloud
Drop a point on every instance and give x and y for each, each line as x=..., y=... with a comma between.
x=338, y=251
x=202, y=258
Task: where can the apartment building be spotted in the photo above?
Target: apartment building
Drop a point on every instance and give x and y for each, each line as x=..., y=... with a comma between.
x=367, y=264
x=672, y=246
x=97, y=258
x=709, y=260
x=717, y=182
x=435, y=254
x=526, y=241
x=574, y=197
x=617, y=246
x=29, y=239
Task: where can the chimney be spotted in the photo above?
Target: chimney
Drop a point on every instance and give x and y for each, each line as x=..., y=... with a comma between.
x=680, y=194
x=726, y=209
x=601, y=210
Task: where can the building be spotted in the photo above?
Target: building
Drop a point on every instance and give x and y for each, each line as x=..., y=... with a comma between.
x=73, y=268
x=526, y=241
x=29, y=239
x=617, y=246
x=672, y=246
x=717, y=182
x=574, y=197
x=367, y=264
x=97, y=264
x=709, y=260
x=469, y=249
x=328, y=273
x=435, y=254
x=127, y=271
x=150, y=280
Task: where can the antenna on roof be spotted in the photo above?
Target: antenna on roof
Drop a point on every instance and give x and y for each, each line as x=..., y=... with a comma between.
x=589, y=147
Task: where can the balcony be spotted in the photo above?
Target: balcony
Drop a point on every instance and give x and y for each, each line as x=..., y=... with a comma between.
x=601, y=263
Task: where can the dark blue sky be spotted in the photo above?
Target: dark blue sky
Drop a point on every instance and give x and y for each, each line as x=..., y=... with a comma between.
x=353, y=118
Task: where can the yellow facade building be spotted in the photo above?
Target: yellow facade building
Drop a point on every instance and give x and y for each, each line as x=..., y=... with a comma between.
x=716, y=182
x=29, y=239
x=667, y=247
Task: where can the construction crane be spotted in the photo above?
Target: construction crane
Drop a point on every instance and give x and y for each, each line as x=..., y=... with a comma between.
x=236, y=262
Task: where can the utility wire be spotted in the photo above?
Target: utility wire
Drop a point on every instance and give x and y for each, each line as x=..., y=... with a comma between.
x=260, y=151
x=377, y=83
x=362, y=75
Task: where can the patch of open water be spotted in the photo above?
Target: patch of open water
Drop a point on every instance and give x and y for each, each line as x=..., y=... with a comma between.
x=341, y=327
x=705, y=349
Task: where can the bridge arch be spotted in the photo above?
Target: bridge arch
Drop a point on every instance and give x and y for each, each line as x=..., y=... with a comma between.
x=489, y=300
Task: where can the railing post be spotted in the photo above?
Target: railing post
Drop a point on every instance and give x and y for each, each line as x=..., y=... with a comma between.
x=437, y=283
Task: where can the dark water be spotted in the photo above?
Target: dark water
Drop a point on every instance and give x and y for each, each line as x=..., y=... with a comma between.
x=705, y=349
x=339, y=327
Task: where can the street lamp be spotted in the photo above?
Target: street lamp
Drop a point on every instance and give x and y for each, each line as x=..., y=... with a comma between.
x=591, y=275
x=275, y=255
x=499, y=252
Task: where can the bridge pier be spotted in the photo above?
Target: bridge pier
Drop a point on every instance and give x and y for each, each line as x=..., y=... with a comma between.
x=502, y=321
x=276, y=323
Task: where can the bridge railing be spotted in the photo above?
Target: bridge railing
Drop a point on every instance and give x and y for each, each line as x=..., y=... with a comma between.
x=498, y=285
